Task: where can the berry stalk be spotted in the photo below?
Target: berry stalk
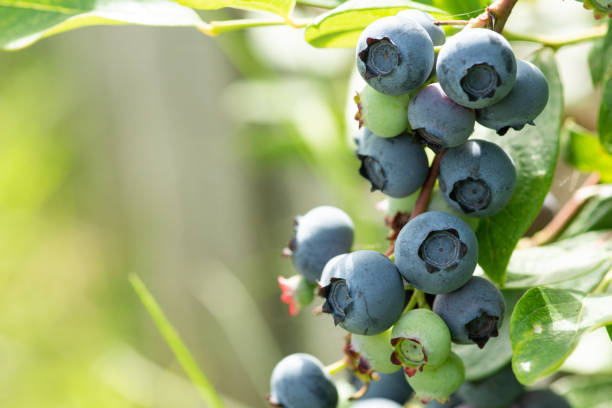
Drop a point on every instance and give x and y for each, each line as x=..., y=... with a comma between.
x=494, y=16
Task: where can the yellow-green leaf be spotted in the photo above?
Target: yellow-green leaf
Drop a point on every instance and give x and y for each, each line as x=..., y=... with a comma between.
x=280, y=7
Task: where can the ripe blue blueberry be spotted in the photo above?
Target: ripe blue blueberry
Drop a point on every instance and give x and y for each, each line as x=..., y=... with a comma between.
x=319, y=235
x=390, y=386
x=420, y=339
x=376, y=403
x=541, y=399
x=397, y=166
x=495, y=391
x=425, y=20
x=476, y=67
x=473, y=313
x=477, y=178
x=522, y=105
x=436, y=252
x=363, y=291
x=438, y=120
x=300, y=381
x=394, y=55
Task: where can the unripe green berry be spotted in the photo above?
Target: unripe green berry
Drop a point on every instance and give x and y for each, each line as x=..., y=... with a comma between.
x=384, y=115
x=376, y=349
x=438, y=382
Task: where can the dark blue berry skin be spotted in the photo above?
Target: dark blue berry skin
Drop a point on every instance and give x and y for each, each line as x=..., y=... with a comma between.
x=397, y=166
x=320, y=234
x=496, y=391
x=522, y=105
x=376, y=403
x=473, y=313
x=300, y=381
x=438, y=120
x=363, y=291
x=390, y=386
x=436, y=252
x=394, y=55
x=476, y=67
x=425, y=20
x=541, y=399
x=477, y=178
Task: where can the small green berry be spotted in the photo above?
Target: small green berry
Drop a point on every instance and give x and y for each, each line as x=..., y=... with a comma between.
x=384, y=115
x=438, y=382
x=376, y=349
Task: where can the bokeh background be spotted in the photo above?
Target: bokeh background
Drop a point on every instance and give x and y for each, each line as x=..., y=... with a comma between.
x=183, y=159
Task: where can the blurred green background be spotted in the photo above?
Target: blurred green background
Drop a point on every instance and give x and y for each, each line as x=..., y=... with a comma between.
x=182, y=159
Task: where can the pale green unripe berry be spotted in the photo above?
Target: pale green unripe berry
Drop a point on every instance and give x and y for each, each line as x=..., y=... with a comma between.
x=384, y=115
x=438, y=382
x=376, y=349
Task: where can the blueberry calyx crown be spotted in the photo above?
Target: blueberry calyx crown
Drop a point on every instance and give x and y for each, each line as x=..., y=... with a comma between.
x=372, y=171
x=480, y=81
x=409, y=353
x=482, y=328
x=380, y=57
x=472, y=194
x=442, y=249
x=337, y=299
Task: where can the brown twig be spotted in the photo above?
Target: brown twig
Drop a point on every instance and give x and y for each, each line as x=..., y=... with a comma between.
x=451, y=22
x=494, y=16
x=562, y=218
x=423, y=199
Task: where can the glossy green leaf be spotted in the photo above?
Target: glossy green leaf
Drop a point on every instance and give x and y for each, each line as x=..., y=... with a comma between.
x=600, y=57
x=534, y=151
x=594, y=215
x=586, y=391
x=582, y=150
x=546, y=326
x=341, y=26
x=480, y=363
x=280, y=7
x=604, y=123
x=575, y=263
x=22, y=22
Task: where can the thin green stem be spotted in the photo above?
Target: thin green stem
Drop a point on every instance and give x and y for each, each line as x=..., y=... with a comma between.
x=181, y=352
x=412, y=302
x=335, y=368
x=556, y=42
x=421, y=301
x=605, y=283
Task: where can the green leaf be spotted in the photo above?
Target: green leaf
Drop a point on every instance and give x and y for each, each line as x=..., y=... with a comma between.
x=22, y=22
x=600, y=58
x=582, y=150
x=480, y=363
x=586, y=392
x=594, y=215
x=534, y=151
x=604, y=123
x=280, y=7
x=464, y=9
x=575, y=263
x=341, y=26
x=547, y=324
x=181, y=352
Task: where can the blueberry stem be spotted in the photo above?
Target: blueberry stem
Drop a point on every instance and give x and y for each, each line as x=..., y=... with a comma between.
x=451, y=22
x=494, y=16
x=563, y=217
x=556, y=42
x=412, y=302
x=336, y=367
x=423, y=199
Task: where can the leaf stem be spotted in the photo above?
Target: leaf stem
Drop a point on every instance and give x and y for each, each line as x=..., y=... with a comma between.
x=181, y=352
x=556, y=42
x=605, y=282
x=562, y=218
x=335, y=368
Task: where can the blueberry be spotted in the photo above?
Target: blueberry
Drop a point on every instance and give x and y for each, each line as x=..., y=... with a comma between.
x=390, y=386
x=541, y=399
x=363, y=291
x=420, y=339
x=473, y=313
x=425, y=20
x=476, y=67
x=384, y=115
x=376, y=349
x=495, y=391
x=394, y=55
x=438, y=120
x=396, y=166
x=455, y=402
x=376, y=403
x=522, y=105
x=438, y=382
x=436, y=252
x=320, y=234
x=299, y=380
x=477, y=178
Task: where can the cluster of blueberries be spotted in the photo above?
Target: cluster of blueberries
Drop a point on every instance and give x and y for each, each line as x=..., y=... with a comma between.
x=402, y=110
